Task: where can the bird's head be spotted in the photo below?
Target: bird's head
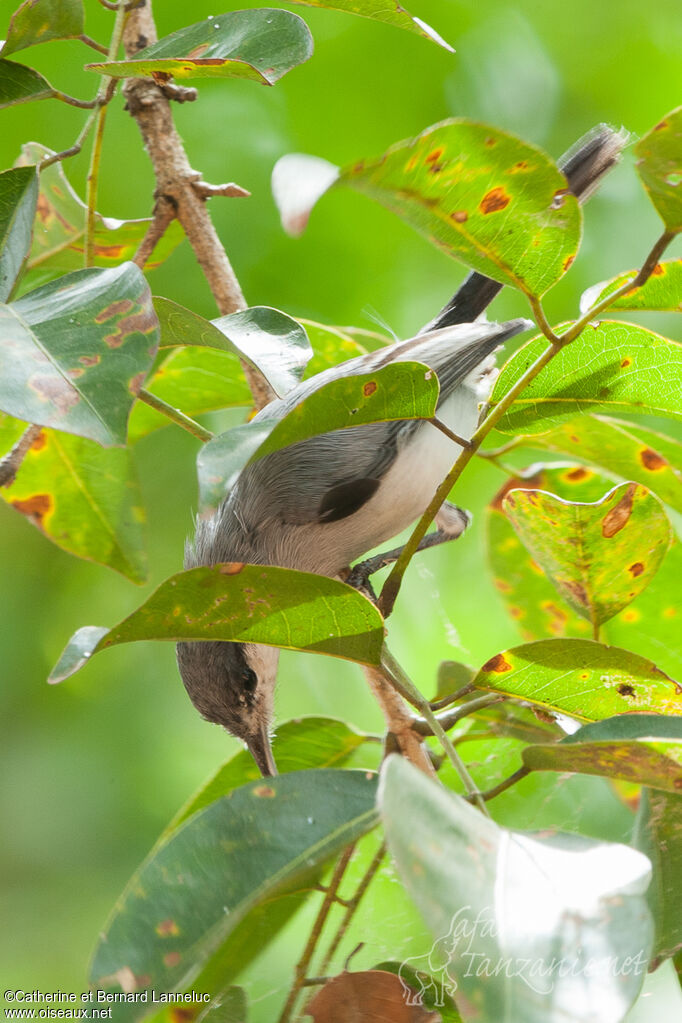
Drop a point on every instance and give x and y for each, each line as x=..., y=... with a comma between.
x=233, y=685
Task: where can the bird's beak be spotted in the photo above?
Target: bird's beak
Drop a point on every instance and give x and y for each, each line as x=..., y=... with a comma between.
x=260, y=750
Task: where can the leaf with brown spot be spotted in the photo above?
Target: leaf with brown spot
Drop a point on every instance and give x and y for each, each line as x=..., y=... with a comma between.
x=511, y=232
x=528, y=595
x=620, y=450
x=642, y=748
x=205, y=877
x=40, y=21
x=260, y=45
x=259, y=604
x=583, y=679
x=47, y=333
x=659, y=165
x=58, y=238
x=83, y=497
x=663, y=290
x=587, y=376
x=369, y=996
x=400, y=390
x=587, y=549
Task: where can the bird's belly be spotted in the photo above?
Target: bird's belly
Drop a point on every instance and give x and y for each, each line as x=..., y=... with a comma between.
x=402, y=496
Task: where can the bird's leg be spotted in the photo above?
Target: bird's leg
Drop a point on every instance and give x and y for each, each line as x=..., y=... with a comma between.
x=451, y=522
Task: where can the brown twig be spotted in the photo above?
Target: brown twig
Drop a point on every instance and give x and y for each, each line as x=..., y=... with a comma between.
x=353, y=904
x=206, y=191
x=164, y=215
x=11, y=463
x=93, y=44
x=314, y=936
x=399, y=719
x=175, y=180
x=179, y=93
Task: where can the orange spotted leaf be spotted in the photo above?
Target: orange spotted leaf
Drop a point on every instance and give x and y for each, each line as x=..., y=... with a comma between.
x=600, y=555
x=663, y=290
x=50, y=337
x=659, y=165
x=586, y=680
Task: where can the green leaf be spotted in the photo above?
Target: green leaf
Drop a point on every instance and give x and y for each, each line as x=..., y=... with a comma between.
x=83, y=497
x=18, y=197
x=529, y=596
x=231, y=1007
x=587, y=680
x=299, y=745
x=272, y=342
x=599, y=556
x=195, y=380
x=428, y=987
x=659, y=165
x=401, y=390
x=658, y=833
x=58, y=241
x=620, y=450
x=20, y=84
x=293, y=610
x=260, y=44
x=171, y=919
x=75, y=353
x=330, y=345
x=390, y=14
x=642, y=748
x=483, y=196
x=452, y=676
x=611, y=367
x=662, y=291
x=649, y=626
x=40, y=21
x=512, y=906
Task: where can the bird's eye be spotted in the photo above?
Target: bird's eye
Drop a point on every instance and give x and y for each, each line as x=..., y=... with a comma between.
x=249, y=679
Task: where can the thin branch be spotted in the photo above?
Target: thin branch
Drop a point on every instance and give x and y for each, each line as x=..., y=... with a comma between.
x=206, y=191
x=11, y=462
x=314, y=937
x=440, y=425
x=175, y=415
x=447, y=701
x=75, y=148
x=448, y=721
x=409, y=691
x=503, y=785
x=93, y=44
x=175, y=179
x=353, y=904
x=164, y=215
x=82, y=104
x=104, y=94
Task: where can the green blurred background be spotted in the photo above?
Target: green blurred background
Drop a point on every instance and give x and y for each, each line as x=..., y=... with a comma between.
x=94, y=768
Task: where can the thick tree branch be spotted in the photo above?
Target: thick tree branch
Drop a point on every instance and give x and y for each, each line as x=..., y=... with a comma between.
x=175, y=181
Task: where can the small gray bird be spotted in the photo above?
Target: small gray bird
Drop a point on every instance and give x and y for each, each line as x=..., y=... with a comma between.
x=320, y=504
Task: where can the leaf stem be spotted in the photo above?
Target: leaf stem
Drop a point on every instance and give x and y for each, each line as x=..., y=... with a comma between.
x=448, y=721
x=175, y=415
x=82, y=104
x=314, y=936
x=505, y=784
x=93, y=44
x=104, y=94
x=409, y=691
